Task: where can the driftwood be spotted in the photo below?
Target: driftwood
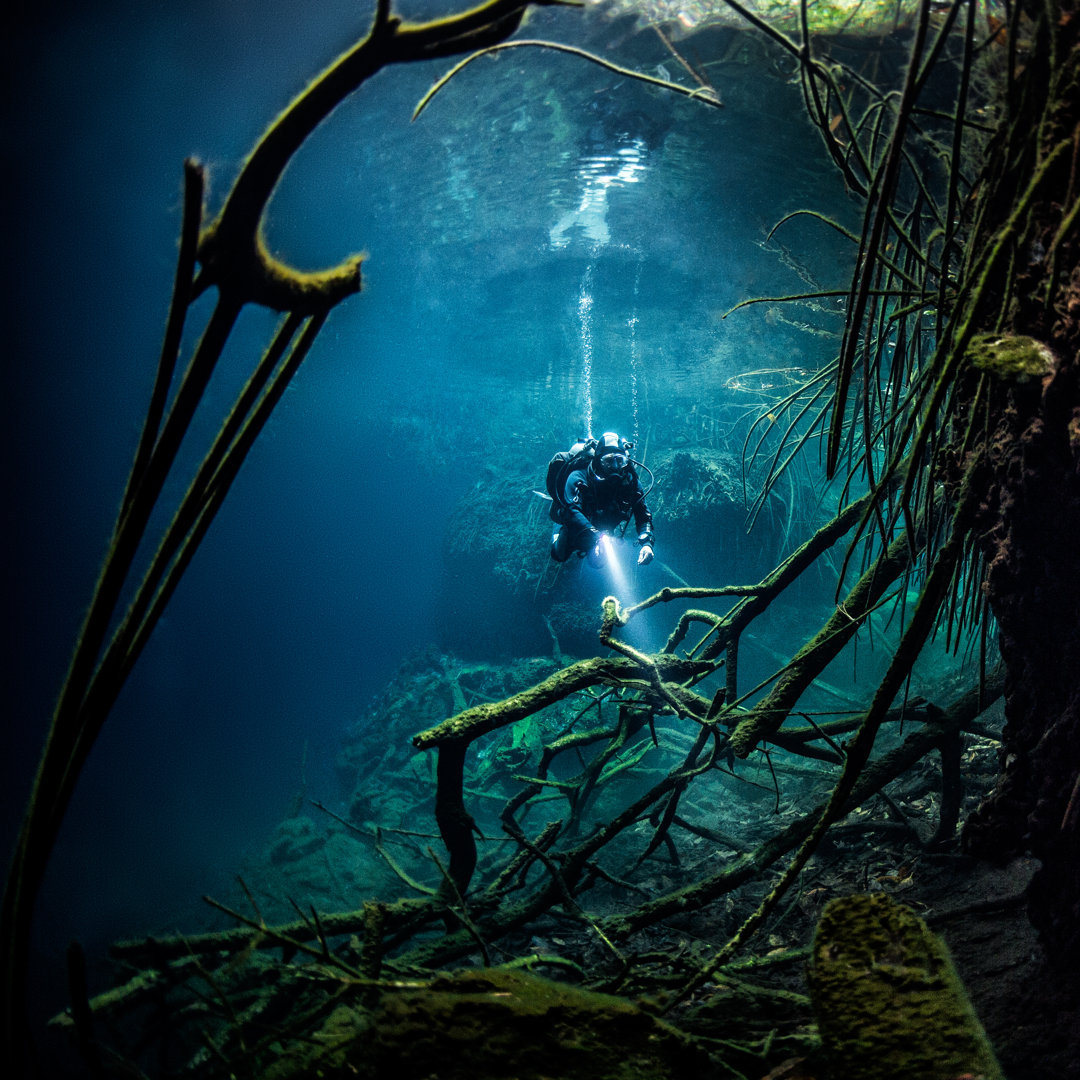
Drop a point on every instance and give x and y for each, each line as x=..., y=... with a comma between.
x=384, y=953
x=494, y=914
x=882, y=772
x=601, y=671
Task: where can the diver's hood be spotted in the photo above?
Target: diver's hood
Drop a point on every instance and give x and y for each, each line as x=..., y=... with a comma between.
x=611, y=446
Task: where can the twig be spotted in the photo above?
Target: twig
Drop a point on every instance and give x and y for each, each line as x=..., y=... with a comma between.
x=703, y=93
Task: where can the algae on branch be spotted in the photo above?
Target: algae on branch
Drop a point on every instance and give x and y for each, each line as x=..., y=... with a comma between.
x=490, y=1024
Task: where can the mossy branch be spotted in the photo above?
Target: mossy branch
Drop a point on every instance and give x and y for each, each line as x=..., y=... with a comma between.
x=490, y=716
x=771, y=711
x=912, y=640
x=232, y=249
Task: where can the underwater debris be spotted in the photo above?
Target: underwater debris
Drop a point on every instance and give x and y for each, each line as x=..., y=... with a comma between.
x=327, y=987
x=489, y=1025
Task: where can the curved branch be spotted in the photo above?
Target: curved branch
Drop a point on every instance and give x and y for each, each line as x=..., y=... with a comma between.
x=701, y=93
x=232, y=250
x=816, y=295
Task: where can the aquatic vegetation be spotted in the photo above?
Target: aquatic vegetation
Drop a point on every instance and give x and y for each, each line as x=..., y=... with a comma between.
x=948, y=422
x=573, y=899
x=228, y=255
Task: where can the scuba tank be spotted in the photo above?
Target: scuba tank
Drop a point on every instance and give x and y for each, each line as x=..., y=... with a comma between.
x=560, y=467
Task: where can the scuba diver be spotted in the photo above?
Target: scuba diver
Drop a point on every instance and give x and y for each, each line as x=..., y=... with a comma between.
x=594, y=489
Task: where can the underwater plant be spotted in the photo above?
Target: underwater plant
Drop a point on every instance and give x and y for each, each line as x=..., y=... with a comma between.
x=954, y=393
x=951, y=413
x=227, y=255
x=951, y=403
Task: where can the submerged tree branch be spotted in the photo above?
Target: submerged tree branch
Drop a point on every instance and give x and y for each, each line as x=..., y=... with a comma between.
x=701, y=92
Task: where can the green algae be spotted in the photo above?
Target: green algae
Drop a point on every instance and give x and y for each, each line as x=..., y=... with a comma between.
x=888, y=1000
x=1013, y=357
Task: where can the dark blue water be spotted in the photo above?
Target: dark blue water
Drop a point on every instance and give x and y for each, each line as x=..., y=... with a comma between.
x=532, y=181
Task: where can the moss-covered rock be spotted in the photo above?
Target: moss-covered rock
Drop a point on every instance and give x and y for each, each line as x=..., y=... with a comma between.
x=695, y=481
x=889, y=1003
x=1012, y=357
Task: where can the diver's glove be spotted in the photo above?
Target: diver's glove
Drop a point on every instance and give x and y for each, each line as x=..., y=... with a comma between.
x=645, y=555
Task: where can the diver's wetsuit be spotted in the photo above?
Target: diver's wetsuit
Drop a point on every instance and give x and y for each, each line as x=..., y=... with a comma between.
x=599, y=502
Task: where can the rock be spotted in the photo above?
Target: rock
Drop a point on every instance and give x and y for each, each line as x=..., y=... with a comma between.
x=294, y=839
x=889, y=1003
